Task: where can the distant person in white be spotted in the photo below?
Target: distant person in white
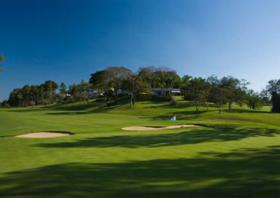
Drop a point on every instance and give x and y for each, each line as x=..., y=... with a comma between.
x=173, y=118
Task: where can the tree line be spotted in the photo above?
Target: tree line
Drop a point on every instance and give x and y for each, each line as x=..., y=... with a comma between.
x=48, y=92
x=114, y=83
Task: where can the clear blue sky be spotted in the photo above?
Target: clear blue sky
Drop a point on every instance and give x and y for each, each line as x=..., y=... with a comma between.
x=66, y=40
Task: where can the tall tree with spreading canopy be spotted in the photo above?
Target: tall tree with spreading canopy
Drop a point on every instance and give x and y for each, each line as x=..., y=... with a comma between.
x=97, y=80
x=234, y=89
x=135, y=86
x=217, y=94
x=110, y=80
x=160, y=77
x=197, y=90
x=273, y=90
x=253, y=100
x=62, y=92
x=50, y=90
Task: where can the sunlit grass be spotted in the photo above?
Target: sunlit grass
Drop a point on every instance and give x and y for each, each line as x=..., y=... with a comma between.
x=231, y=153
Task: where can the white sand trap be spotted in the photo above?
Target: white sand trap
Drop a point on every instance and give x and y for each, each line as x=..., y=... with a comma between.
x=156, y=128
x=44, y=135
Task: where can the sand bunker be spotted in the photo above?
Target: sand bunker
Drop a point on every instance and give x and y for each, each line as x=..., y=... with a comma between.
x=156, y=128
x=44, y=135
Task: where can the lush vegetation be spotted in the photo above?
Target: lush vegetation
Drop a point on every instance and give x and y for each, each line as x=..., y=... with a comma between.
x=232, y=154
x=114, y=83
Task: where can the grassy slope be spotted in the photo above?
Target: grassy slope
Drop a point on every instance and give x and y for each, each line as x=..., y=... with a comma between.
x=233, y=154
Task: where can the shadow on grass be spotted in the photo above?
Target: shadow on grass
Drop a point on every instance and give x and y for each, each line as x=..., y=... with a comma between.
x=82, y=107
x=92, y=107
x=168, y=105
x=180, y=115
x=243, y=173
x=76, y=107
x=100, y=109
x=194, y=136
x=28, y=109
x=247, y=111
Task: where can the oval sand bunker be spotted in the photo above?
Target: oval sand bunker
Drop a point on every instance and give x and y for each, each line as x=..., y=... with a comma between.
x=156, y=128
x=44, y=135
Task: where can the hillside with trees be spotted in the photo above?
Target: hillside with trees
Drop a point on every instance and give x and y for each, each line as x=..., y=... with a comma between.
x=148, y=83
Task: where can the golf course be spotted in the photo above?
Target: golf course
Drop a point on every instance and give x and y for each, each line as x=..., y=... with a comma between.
x=221, y=154
x=140, y=99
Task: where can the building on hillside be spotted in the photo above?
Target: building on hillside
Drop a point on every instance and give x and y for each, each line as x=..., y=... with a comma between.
x=93, y=93
x=166, y=91
x=123, y=92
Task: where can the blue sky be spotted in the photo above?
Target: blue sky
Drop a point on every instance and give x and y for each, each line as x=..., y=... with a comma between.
x=67, y=40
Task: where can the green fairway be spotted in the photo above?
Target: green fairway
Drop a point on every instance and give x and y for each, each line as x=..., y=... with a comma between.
x=232, y=154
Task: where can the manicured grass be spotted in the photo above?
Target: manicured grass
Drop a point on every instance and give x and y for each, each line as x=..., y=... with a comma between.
x=232, y=154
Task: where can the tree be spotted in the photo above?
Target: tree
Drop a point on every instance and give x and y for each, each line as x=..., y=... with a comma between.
x=41, y=94
x=185, y=80
x=50, y=90
x=115, y=77
x=62, y=91
x=275, y=99
x=110, y=79
x=234, y=89
x=253, y=100
x=33, y=94
x=227, y=90
x=34, y=99
x=159, y=77
x=74, y=91
x=147, y=75
x=165, y=78
x=273, y=86
x=83, y=89
x=135, y=85
x=98, y=81
x=273, y=91
x=265, y=97
x=197, y=90
x=63, y=88
x=28, y=95
x=185, y=83
x=16, y=97
x=5, y=103
x=26, y=91
x=218, y=96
